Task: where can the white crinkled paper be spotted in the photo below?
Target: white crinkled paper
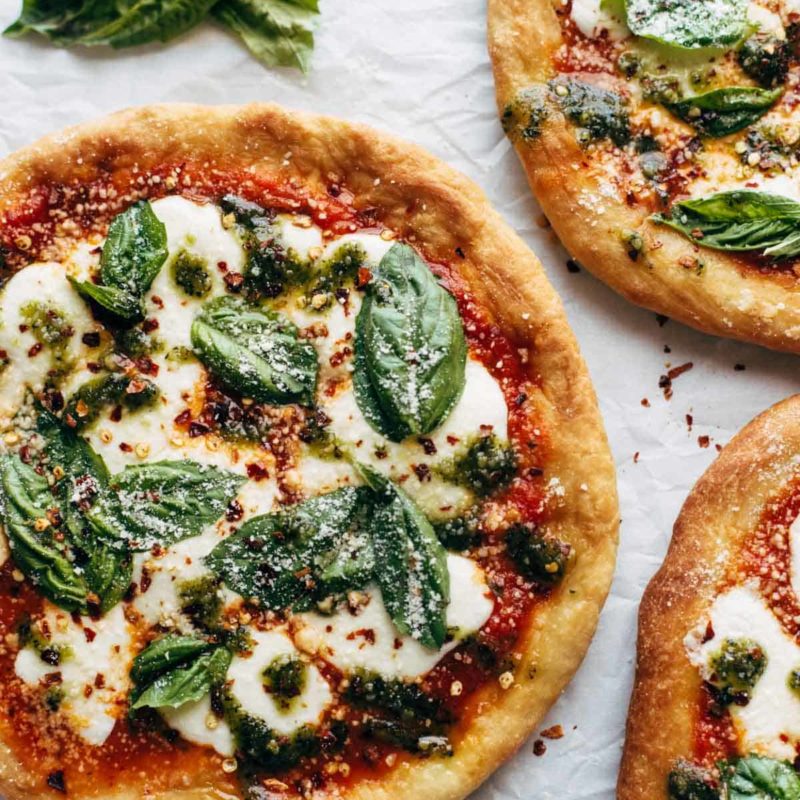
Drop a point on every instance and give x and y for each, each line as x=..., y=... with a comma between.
x=420, y=69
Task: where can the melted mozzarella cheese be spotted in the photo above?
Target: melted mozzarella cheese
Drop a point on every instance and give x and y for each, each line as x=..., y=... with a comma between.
x=302, y=240
x=773, y=713
x=765, y=20
x=368, y=639
x=198, y=724
x=592, y=19
x=482, y=407
x=46, y=284
x=246, y=686
x=91, y=648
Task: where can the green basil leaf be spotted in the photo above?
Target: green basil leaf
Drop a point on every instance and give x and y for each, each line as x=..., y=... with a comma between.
x=410, y=563
x=118, y=302
x=759, y=778
x=164, y=654
x=108, y=574
x=740, y=220
x=144, y=21
x=293, y=559
x=135, y=250
x=255, y=352
x=410, y=350
x=161, y=503
x=277, y=32
x=186, y=682
x=24, y=499
x=62, y=23
x=688, y=24
x=724, y=111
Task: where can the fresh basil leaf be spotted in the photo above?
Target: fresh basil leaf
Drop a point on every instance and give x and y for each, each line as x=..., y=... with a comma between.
x=724, y=111
x=133, y=254
x=25, y=500
x=277, y=32
x=740, y=220
x=135, y=250
x=410, y=563
x=161, y=503
x=166, y=653
x=410, y=350
x=688, y=24
x=144, y=21
x=108, y=574
x=177, y=670
x=61, y=22
x=255, y=352
x=295, y=558
x=759, y=778
x=118, y=302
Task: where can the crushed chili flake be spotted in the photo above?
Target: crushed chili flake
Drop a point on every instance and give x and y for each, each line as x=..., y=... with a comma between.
x=539, y=748
x=704, y=441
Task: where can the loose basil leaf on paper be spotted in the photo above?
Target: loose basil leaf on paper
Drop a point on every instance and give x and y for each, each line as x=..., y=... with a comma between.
x=688, y=24
x=175, y=670
x=278, y=32
x=161, y=503
x=759, y=778
x=293, y=559
x=740, y=220
x=133, y=254
x=724, y=111
x=411, y=564
x=410, y=350
x=25, y=500
x=255, y=352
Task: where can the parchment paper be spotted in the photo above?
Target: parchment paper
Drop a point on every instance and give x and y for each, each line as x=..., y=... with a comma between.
x=419, y=68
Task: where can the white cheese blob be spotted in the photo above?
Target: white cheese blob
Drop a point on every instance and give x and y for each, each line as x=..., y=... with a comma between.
x=592, y=19
x=774, y=709
x=765, y=20
x=480, y=410
x=45, y=284
x=298, y=236
x=368, y=639
x=97, y=655
x=198, y=724
x=247, y=688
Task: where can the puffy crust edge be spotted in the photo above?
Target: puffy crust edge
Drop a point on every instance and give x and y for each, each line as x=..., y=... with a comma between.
x=726, y=299
x=722, y=510
x=424, y=200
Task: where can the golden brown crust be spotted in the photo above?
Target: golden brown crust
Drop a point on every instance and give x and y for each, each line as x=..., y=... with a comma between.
x=420, y=198
x=724, y=507
x=726, y=299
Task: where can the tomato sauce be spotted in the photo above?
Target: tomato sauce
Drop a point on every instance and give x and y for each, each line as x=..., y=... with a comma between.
x=160, y=758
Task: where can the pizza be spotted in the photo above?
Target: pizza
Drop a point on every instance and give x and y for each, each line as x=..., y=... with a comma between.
x=303, y=485
x=714, y=713
x=661, y=141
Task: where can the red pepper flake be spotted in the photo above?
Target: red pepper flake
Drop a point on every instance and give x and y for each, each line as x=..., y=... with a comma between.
x=689, y=422
x=146, y=581
x=157, y=301
x=555, y=732
x=116, y=414
x=234, y=512
x=539, y=748
x=256, y=472
x=93, y=367
x=428, y=445
x=88, y=690
x=709, y=634
x=636, y=457
x=234, y=281
x=125, y=447
x=99, y=681
x=89, y=634
x=703, y=441
x=198, y=429
x=184, y=418
x=337, y=359
x=35, y=350
x=363, y=278
x=222, y=266
x=368, y=634
x=665, y=381
x=423, y=472
x=150, y=325
x=645, y=402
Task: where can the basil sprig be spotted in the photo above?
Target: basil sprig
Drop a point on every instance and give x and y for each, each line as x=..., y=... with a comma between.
x=161, y=503
x=410, y=350
x=340, y=541
x=255, y=352
x=133, y=254
x=277, y=32
x=687, y=24
x=74, y=538
x=175, y=670
x=739, y=221
x=758, y=778
x=724, y=111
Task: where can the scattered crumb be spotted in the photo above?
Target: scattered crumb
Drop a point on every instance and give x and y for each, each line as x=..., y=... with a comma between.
x=719, y=447
x=554, y=732
x=636, y=457
x=689, y=422
x=645, y=402
x=539, y=748
x=573, y=266
x=661, y=320
x=667, y=348
x=739, y=367
x=704, y=441
x=665, y=381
